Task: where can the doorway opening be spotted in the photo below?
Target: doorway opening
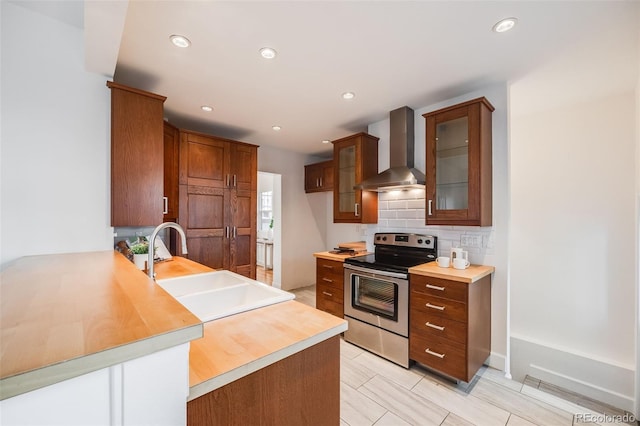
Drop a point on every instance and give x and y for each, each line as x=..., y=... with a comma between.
x=268, y=224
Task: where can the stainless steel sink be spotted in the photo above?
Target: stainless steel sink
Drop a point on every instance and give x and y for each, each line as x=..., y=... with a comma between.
x=218, y=294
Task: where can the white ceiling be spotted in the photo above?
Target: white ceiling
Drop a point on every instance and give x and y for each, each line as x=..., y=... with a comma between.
x=390, y=53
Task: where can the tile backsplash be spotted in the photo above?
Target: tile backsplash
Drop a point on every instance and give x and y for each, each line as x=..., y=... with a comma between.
x=404, y=211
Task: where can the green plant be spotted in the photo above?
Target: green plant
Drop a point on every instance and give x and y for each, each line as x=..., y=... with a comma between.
x=140, y=248
x=271, y=224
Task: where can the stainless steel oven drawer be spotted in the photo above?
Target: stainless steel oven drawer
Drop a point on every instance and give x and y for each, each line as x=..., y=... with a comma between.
x=381, y=342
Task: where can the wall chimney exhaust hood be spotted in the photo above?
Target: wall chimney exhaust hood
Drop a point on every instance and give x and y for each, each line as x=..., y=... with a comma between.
x=401, y=174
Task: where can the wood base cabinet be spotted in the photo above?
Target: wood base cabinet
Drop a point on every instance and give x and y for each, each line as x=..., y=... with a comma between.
x=330, y=286
x=450, y=324
x=302, y=389
x=218, y=201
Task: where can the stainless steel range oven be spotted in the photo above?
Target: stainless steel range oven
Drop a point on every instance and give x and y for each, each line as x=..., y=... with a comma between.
x=376, y=293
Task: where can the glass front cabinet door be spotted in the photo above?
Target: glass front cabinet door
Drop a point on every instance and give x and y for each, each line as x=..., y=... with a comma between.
x=355, y=159
x=458, y=148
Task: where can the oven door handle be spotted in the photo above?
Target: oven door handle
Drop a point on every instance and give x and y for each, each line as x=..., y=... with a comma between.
x=370, y=271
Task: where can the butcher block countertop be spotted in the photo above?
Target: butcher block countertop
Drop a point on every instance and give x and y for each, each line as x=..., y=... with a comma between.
x=238, y=345
x=472, y=274
x=334, y=256
x=69, y=314
x=65, y=315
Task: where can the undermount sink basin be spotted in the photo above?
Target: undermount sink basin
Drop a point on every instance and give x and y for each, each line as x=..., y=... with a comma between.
x=213, y=295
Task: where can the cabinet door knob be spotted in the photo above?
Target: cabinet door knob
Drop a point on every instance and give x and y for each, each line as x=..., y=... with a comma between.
x=430, y=212
x=320, y=182
x=327, y=280
x=166, y=205
x=235, y=181
x=357, y=213
x=327, y=266
x=327, y=294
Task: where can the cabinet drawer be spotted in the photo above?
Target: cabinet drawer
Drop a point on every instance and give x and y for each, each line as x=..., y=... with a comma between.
x=438, y=287
x=441, y=354
x=329, y=293
x=426, y=324
x=438, y=306
x=331, y=281
x=328, y=305
x=329, y=271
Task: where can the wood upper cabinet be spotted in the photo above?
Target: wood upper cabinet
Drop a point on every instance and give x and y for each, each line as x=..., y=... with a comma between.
x=450, y=324
x=137, y=157
x=171, y=163
x=458, y=148
x=318, y=177
x=218, y=201
x=355, y=159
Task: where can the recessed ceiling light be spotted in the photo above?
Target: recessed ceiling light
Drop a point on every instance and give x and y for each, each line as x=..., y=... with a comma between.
x=348, y=95
x=325, y=141
x=504, y=25
x=276, y=128
x=206, y=108
x=180, y=41
x=268, y=53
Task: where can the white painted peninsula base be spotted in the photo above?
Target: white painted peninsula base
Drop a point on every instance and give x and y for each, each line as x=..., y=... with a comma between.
x=150, y=390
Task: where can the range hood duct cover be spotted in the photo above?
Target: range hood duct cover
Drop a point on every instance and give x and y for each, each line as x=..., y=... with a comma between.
x=402, y=174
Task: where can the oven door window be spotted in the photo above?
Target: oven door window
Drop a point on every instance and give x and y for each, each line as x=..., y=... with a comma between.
x=376, y=296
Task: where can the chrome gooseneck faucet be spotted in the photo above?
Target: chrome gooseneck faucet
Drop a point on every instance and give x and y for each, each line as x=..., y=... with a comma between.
x=154, y=234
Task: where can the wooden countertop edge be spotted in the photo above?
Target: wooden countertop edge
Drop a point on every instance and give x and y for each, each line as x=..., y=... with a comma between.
x=55, y=373
x=465, y=275
x=337, y=257
x=223, y=379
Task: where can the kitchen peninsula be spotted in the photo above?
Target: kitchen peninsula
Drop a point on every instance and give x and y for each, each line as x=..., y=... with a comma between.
x=87, y=338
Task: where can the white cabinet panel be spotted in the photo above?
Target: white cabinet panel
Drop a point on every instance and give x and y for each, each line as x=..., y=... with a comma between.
x=156, y=388
x=151, y=390
x=81, y=401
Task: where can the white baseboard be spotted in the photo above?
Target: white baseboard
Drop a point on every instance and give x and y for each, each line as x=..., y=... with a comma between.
x=497, y=361
x=599, y=379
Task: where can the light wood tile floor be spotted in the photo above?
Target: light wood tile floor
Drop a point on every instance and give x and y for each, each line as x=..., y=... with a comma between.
x=377, y=392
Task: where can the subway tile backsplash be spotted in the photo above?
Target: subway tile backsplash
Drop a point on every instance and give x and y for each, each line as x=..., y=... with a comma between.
x=404, y=211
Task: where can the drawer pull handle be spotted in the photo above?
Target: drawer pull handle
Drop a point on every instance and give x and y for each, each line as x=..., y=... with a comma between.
x=440, y=308
x=434, y=353
x=437, y=327
x=435, y=287
x=327, y=280
x=327, y=294
x=327, y=266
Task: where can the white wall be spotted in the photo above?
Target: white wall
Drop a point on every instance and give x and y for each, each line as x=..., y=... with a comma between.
x=301, y=234
x=55, y=140
x=573, y=207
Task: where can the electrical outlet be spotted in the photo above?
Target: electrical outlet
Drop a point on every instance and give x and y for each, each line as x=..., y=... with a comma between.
x=474, y=241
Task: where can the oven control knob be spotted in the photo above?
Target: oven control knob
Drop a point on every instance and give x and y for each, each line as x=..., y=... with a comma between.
x=384, y=238
x=420, y=241
x=428, y=242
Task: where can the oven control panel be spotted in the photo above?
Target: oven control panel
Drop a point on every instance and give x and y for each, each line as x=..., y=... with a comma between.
x=405, y=240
